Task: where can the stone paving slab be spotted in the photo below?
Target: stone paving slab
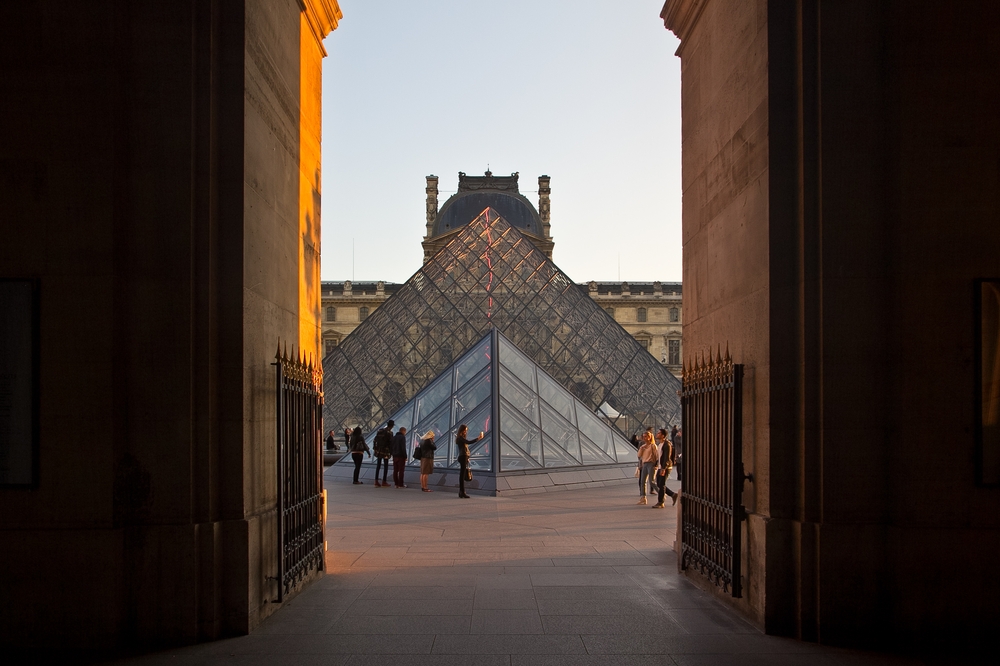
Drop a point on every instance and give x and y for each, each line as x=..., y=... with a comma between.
x=578, y=577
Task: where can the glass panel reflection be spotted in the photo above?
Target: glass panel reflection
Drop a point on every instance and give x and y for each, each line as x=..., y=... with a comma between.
x=472, y=396
x=556, y=396
x=434, y=396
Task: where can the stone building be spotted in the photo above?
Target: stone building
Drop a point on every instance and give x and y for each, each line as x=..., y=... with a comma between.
x=651, y=311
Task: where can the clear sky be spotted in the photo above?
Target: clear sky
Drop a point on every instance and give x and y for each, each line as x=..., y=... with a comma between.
x=585, y=91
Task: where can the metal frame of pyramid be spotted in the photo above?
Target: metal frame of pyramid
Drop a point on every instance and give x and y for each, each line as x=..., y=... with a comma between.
x=537, y=434
x=492, y=276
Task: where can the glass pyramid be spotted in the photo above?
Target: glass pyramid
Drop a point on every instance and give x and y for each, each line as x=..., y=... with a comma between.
x=491, y=276
x=529, y=420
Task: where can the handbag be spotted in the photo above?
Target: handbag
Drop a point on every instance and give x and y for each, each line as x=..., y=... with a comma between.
x=417, y=453
x=468, y=474
x=636, y=472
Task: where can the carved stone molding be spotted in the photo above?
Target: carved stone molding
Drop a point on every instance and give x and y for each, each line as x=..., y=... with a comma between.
x=680, y=16
x=322, y=17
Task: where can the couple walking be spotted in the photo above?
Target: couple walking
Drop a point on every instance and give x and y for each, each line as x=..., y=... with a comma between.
x=425, y=452
x=656, y=458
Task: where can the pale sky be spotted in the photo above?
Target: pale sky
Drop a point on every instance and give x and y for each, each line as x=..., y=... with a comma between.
x=585, y=91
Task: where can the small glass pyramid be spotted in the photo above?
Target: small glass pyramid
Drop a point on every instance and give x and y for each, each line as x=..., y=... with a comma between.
x=529, y=420
x=492, y=276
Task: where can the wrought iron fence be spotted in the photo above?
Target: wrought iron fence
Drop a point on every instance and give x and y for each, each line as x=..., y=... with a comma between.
x=711, y=507
x=299, y=397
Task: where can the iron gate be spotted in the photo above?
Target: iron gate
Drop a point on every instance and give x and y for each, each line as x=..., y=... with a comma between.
x=299, y=397
x=711, y=508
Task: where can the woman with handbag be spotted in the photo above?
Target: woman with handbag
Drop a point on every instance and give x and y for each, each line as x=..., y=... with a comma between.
x=427, y=449
x=462, y=444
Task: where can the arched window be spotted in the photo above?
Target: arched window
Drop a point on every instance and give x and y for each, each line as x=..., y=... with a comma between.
x=331, y=314
x=610, y=311
x=640, y=314
x=675, y=315
x=362, y=313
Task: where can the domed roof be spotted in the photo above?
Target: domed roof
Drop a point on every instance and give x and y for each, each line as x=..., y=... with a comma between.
x=476, y=194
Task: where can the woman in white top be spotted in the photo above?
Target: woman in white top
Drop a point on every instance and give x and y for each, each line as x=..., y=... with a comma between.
x=648, y=459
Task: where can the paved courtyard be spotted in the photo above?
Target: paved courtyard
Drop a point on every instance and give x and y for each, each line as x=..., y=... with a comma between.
x=571, y=577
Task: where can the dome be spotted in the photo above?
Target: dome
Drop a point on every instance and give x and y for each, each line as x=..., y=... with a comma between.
x=464, y=207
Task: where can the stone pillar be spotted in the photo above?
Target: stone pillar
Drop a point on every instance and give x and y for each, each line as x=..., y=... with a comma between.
x=432, y=203
x=543, y=204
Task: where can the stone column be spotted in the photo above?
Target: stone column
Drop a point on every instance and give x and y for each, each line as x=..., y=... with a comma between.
x=432, y=203
x=543, y=204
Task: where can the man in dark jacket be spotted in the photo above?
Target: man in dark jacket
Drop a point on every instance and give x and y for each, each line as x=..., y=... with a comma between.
x=666, y=462
x=398, y=450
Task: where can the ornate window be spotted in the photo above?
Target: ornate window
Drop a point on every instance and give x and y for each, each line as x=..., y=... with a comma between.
x=675, y=315
x=673, y=352
x=330, y=344
x=331, y=314
x=362, y=313
x=640, y=315
x=610, y=311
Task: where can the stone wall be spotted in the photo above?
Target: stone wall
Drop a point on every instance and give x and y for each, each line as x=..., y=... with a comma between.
x=840, y=197
x=153, y=162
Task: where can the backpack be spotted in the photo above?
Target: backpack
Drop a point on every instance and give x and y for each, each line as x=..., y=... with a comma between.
x=418, y=452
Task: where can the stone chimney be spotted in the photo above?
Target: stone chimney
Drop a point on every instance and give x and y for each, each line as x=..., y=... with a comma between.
x=543, y=204
x=432, y=203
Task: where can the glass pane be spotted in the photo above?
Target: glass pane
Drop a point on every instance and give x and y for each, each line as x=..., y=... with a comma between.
x=556, y=456
x=556, y=396
x=594, y=455
x=513, y=458
x=432, y=398
x=561, y=432
x=525, y=435
x=591, y=426
x=473, y=362
x=517, y=364
x=623, y=450
x=472, y=396
x=519, y=396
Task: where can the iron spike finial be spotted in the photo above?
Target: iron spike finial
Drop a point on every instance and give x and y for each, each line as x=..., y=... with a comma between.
x=729, y=358
x=718, y=354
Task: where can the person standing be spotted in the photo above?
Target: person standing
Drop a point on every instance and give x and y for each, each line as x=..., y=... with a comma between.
x=647, y=464
x=462, y=444
x=382, y=446
x=358, y=448
x=398, y=451
x=347, y=439
x=652, y=477
x=666, y=462
x=427, y=449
